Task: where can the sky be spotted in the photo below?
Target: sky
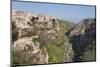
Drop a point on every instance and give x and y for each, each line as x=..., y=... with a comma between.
x=73, y=13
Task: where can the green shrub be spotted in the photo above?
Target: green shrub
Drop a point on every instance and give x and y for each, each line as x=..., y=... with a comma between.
x=55, y=53
x=89, y=55
x=35, y=39
x=22, y=58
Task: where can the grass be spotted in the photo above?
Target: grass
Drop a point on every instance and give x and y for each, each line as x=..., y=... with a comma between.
x=55, y=48
x=55, y=53
x=89, y=55
x=16, y=57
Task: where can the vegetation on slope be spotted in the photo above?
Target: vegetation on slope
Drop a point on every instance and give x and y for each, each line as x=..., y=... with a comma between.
x=56, y=47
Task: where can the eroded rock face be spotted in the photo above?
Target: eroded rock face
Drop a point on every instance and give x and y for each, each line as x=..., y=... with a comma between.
x=30, y=32
x=28, y=24
x=26, y=44
x=83, y=39
x=27, y=31
x=69, y=54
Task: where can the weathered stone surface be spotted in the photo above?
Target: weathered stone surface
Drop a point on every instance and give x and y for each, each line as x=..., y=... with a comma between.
x=30, y=32
x=26, y=29
x=83, y=40
x=27, y=23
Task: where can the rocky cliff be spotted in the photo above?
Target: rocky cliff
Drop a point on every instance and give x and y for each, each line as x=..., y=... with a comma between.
x=39, y=39
x=42, y=39
x=27, y=29
x=83, y=39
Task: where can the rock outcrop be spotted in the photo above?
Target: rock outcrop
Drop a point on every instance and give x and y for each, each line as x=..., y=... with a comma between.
x=41, y=39
x=31, y=33
x=83, y=40
x=27, y=32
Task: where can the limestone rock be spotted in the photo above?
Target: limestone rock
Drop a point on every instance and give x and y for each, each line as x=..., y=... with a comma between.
x=83, y=39
x=27, y=30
